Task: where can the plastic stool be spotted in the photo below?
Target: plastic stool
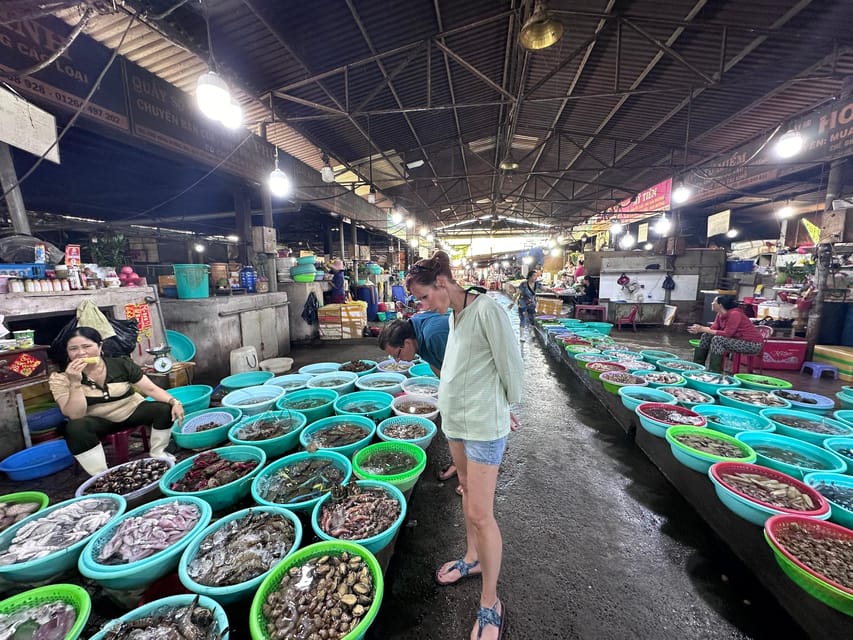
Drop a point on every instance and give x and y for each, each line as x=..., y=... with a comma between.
x=120, y=442
x=818, y=368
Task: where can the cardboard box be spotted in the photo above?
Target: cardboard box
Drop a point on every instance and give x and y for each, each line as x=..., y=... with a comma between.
x=841, y=357
x=549, y=306
x=342, y=321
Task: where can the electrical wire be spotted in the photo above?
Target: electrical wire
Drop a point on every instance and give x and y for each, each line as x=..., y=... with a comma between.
x=77, y=113
x=78, y=29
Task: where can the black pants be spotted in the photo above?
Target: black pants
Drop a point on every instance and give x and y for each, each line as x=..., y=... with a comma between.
x=82, y=434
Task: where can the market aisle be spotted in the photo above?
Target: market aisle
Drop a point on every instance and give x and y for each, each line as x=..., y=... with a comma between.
x=597, y=544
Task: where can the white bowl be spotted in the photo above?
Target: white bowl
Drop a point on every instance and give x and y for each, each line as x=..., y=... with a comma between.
x=400, y=403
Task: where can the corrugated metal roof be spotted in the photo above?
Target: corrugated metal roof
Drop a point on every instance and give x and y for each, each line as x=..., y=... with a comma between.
x=574, y=110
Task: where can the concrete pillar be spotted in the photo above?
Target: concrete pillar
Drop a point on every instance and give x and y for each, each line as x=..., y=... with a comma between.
x=243, y=212
x=266, y=204
x=834, y=187
x=14, y=199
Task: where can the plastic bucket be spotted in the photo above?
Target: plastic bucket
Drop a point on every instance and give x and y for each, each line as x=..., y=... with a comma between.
x=191, y=280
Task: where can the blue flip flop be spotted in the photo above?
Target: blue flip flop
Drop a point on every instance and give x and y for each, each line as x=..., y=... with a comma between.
x=490, y=616
x=464, y=569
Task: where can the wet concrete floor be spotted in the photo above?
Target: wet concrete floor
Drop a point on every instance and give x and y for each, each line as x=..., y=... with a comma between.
x=597, y=544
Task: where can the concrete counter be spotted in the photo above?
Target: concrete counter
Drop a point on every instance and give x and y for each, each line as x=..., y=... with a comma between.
x=298, y=292
x=220, y=324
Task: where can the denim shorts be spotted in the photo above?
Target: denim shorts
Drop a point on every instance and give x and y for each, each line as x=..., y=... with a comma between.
x=488, y=452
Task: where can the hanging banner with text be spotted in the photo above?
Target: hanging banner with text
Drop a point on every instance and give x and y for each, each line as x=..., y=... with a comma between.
x=66, y=82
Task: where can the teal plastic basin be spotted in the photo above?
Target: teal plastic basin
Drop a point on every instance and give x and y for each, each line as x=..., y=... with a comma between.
x=246, y=379
x=811, y=402
x=698, y=460
x=347, y=450
x=422, y=369
x=733, y=421
x=658, y=427
x=291, y=401
x=838, y=429
x=842, y=447
x=342, y=382
x=654, y=379
x=653, y=355
x=633, y=397
x=823, y=459
x=279, y=445
x=185, y=435
x=170, y=603
x=260, y=483
x=725, y=399
x=839, y=515
x=253, y=400
x=354, y=403
x=422, y=442
x=291, y=381
x=676, y=365
x=711, y=388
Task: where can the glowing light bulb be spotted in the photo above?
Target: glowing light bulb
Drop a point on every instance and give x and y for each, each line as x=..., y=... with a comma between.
x=279, y=183
x=212, y=95
x=681, y=194
x=790, y=144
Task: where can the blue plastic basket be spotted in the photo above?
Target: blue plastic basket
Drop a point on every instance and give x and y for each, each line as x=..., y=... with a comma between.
x=376, y=543
x=831, y=462
x=279, y=445
x=38, y=461
x=633, y=396
x=839, y=514
x=185, y=435
x=232, y=593
x=341, y=462
x=314, y=413
x=340, y=381
x=394, y=366
x=819, y=404
x=139, y=574
x=841, y=430
x=42, y=570
x=253, y=400
x=387, y=382
x=183, y=349
x=227, y=494
x=347, y=450
x=290, y=382
x=245, y=379
x=744, y=420
x=182, y=600
x=844, y=415
x=348, y=404
x=318, y=368
x=753, y=510
x=422, y=442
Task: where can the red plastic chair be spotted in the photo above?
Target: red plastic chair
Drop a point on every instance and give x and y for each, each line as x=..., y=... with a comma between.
x=120, y=442
x=751, y=363
x=631, y=319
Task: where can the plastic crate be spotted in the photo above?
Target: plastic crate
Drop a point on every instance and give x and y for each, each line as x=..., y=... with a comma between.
x=24, y=270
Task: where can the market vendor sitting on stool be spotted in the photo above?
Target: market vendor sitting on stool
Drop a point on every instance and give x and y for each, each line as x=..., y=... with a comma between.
x=731, y=331
x=98, y=397
x=338, y=294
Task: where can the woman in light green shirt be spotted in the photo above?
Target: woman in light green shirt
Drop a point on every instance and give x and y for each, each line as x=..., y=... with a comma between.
x=480, y=377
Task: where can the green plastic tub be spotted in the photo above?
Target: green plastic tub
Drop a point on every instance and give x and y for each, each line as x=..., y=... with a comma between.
x=762, y=383
x=403, y=481
x=70, y=594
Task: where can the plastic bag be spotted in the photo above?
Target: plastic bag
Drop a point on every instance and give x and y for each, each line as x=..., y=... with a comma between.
x=121, y=344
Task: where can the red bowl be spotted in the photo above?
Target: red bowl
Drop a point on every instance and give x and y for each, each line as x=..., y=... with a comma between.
x=817, y=528
x=720, y=468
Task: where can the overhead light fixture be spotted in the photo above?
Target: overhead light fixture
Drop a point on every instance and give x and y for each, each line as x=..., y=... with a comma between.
x=663, y=225
x=561, y=239
x=414, y=164
x=551, y=244
x=508, y=163
x=424, y=231
x=732, y=233
x=648, y=246
x=232, y=238
x=616, y=227
x=555, y=252
x=410, y=223
x=232, y=117
x=790, y=144
x=396, y=216
x=783, y=213
x=212, y=95
x=371, y=195
x=681, y=194
x=199, y=247
x=627, y=241
x=279, y=183
x=327, y=174
x=527, y=259
x=430, y=237
x=540, y=31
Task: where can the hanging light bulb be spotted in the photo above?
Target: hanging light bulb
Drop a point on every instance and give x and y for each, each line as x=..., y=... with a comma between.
x=371, y=195
x=199, y=247
x=681, y=194
x=616, y=227
x=327, y=174
x=663, y=225
x=430, y=237
x=540, y=31
x=555, y=252
x=279, y=183
x=627, y=241
x=790, y=144
x=783, y=213
x=648, y=246
x=212, y=95
x=584, y=239
x=410, y=223
x=508, y=163
x=233, y=238
x=232, y=116
x=396, y=216
x=423, y=231
x=732, y=233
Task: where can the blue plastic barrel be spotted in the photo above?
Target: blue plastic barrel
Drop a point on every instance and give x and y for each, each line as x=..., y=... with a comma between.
x=398, y=292
x=368, y=295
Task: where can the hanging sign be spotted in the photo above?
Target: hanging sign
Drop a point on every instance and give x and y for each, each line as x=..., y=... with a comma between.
x=27, y=127
x=142, y=313
x=643, y=232
x=718, y=223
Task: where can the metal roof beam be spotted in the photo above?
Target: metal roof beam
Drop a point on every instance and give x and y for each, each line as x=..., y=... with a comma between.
x=475, y=71
x=669, y=51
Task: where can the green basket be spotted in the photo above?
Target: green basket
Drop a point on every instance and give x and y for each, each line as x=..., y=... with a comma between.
x=257, y=622
x=762, y=383
x=26, y=496
x=403, y=481
x=69, y=593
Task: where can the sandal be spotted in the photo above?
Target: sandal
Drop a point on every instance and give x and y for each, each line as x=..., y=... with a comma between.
x=490, y=616
x=446, y=473
x=459, y=489
x=464, y=569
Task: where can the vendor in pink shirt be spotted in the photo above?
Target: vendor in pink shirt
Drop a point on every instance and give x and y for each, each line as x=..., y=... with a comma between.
x=731, y=332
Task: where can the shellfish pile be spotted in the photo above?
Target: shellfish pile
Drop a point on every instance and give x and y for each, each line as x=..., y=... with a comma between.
x=769, y=490
x=361, y=514
x=684, y=394
x=58, y=530
x=266, y=427
x=142, y=536
x=828, y=556
x=754, y=396
x=387, y=463
x=338, y=435
x=405, y=431
x=129, y=477
x=711, y=445
x=242, y=549
x=300, y=481
x=49, y=621
x=209, y=470
x=416, y=408
x=356, y=366
x=12, y=512
x=327, y=596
